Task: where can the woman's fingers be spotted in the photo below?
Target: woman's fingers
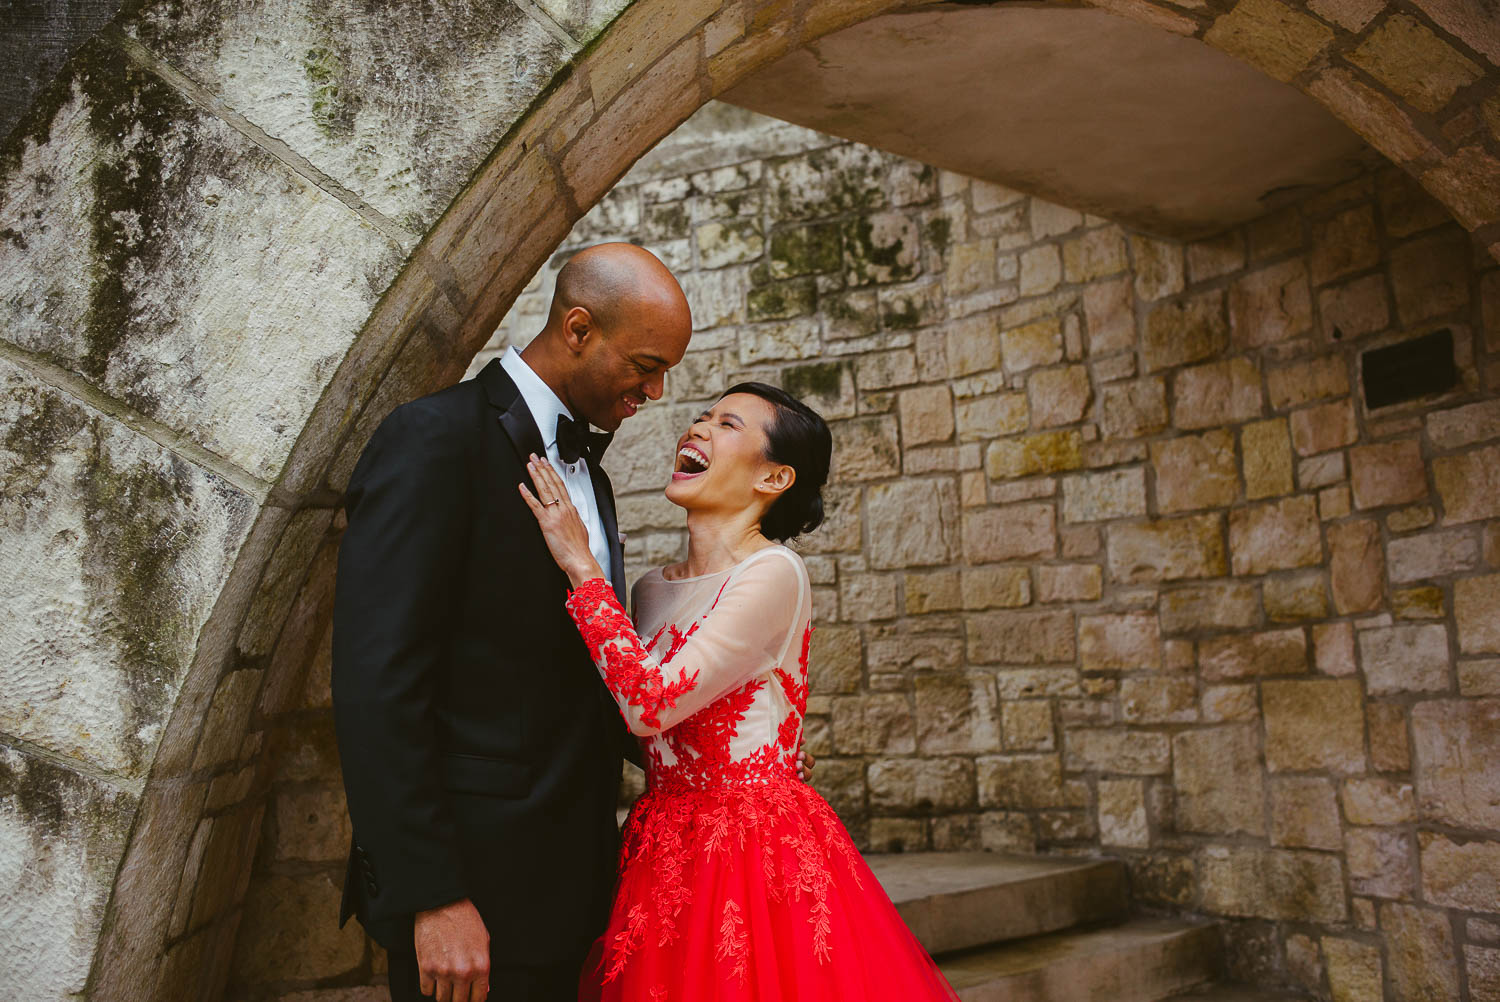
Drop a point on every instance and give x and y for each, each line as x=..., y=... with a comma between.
x=531, y=502
x=547, y=478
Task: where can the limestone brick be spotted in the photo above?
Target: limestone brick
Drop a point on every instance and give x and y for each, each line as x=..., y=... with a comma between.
x=984, y=417
x=1020, y=638
x=1132, y=409
x=1286, y=884
x=1389, y=747
x=1434, y=553
x=1270, y=35
x=1250, y=655
x=1271, y=304
x=1319, y=429
x=1122, y=814
x=1314, y=724
x=1460, y=426
x=1119, y=641
x=1483, y=967
x=1469, y=484
x=1380, y=862
x=1027, y=725
x=1059, y=396
x=1069, y=583
x=921, y=785
x=1476, y=608
x=1190, y=546
x=1093, y=497
x=1031, y=345
x=1109, y=310
x=1130, y=753
x=1420, y=959
x=1029, y=455
x=1344, y=244
x=1305, y=813
x=873, y=723
x=1408, y=58
x=1267, y=453
x=1216, y=394
x=896, y=539
x=1226, y=703
x=1305, y=382
x=1041, y=269
x=866, y=448
x=994, y=587
x=1009, y=533
x=1275, y=536
x=1356, y=565
x=1182, y=331
x=1387, y=473
x=1405, y=659
x=1217, y=780
x=1159, y=267
x=1427, y=275
x=836, y=659
x=1021, y=781
x=1354, y=308
x=1155, y=700
x=1096, y=254
x=1289, y=598
x=956, y=713
x=1375, y=801
x=1333, y=646
x=1456, y=753
x=1195, y=471
x=1353, y=15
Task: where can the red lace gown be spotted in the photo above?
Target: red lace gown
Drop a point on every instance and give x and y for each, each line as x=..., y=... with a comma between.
x=737, y=881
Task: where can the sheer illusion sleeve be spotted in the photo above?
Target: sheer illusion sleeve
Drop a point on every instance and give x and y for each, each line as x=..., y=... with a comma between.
x=666, y=679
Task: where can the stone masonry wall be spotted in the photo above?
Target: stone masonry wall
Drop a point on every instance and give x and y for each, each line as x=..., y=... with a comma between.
x=1117, y=559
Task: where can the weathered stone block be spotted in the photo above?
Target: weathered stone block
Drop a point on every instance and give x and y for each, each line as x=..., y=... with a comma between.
x=1094, y=497
x=1132, y=409
x=912, y=523
x=1333, y=645
x=1387, y=473
x=1217, y=780
x=1304, y=382
x=866, y=448
x=1355, y=971
x=228, y=715
x=1380, y=862
x=1031, y=345
x=873, y=723
x=1019, y=638
x=1179, y=332
x=1419, y=952
x=1132, y=753
x=1120, y=641
x=994, y=587
x=1096, y=254
x=1289, y=598
x=1122, y=814
x=1020, y=782
x=1320, y=429
x=1195, y=471
x=1356, y=565
x=1314, y=724
x=311, y=825
x=956, y=713
x=1009, y=533
x=1251, y=655
x=1305, y=813
x=1218, y=393
x=1267, y=453
x=1285, y=884
x=1389, y=748
x=1027, y=725
x=805, y=250
x=1041, y=269
x=1374, y=801
x=1407, y=57
x=921, y=785
x=1059, y=396
x=1029, y=455
x=1069, y=583
x=1343, y=244
x=879, y=248
x=926, y=415
x=1191, y=546
x=1469, y=484
x=1432, y=554
x=1476, y=607
x=1271, y=304
x=1430, y=275
x=986, y=417
x=1275, y=536
x=1405, y=659
x=1109, y=310
x=1456, y=745
x=835, y=659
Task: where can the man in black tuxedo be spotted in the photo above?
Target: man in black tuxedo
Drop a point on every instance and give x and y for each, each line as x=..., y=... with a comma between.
x=481, y=752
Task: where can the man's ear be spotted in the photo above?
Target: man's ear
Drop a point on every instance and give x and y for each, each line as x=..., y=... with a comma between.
x=776, y=480
x=577, y=327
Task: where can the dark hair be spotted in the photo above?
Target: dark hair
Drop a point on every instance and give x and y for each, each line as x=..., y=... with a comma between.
x=798, y=437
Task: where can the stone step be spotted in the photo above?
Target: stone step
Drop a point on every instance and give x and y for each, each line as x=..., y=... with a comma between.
x=1144, y=960
x=1237, y=993
x=958, y=900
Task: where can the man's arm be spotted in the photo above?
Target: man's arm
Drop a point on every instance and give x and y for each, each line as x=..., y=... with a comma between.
x=404, y=540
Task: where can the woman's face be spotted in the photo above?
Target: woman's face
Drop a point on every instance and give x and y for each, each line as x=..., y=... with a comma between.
x=721, y=460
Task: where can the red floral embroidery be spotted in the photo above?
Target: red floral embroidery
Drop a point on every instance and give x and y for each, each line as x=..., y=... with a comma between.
x=733, y=944
x=629, y=672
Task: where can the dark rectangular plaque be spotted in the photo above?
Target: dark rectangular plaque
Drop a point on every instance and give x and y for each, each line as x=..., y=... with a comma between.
x=1420, y=367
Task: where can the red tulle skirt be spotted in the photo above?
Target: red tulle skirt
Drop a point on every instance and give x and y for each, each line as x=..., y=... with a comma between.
x=751, y=892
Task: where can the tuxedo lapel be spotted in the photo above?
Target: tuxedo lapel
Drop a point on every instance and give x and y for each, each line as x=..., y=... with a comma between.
x=604, y=497
x=515, y=417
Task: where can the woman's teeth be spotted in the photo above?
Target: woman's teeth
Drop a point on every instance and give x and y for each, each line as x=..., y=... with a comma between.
x=692, y=461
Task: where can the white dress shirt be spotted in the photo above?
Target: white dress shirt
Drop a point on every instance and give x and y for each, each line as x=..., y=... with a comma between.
x=545, y=408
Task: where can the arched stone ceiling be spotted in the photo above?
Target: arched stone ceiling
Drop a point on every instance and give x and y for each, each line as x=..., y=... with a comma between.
x=1078, y=105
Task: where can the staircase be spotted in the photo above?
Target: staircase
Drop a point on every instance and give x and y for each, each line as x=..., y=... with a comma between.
x=1018, y=929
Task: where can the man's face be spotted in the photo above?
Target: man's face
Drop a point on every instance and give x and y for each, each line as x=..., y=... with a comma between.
x=619, y=370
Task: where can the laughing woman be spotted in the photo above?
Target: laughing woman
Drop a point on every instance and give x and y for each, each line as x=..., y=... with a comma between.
x=737, y=881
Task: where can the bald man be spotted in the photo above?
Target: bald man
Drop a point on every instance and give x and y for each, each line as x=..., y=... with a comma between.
x=481, y=753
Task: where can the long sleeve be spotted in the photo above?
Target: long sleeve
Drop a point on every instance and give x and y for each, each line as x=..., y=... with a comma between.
x=406, y=534
x=659, y=682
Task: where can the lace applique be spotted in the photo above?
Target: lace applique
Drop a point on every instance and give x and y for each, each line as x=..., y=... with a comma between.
x=733, y=944
x=628, y=670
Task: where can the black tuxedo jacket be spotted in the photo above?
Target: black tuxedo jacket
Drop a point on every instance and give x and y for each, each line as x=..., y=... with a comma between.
x=480, y=750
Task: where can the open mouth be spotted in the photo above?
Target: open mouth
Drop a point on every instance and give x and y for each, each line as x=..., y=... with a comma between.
x=691, y=462
x=631, y=405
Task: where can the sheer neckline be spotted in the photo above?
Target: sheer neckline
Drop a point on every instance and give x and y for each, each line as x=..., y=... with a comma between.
x=662, y=571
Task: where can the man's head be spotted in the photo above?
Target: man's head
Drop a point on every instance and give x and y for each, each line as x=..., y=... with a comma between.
x=618, y=322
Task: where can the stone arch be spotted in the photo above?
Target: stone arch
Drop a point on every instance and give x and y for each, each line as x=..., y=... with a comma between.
x=380, y=289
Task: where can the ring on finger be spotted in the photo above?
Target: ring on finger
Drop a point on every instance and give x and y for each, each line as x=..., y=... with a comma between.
x=554, y=501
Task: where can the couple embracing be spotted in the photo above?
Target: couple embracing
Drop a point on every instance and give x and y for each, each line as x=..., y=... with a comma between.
x=488, y=679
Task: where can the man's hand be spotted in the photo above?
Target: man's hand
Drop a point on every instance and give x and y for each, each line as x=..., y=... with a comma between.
x=453, y=953
x=805, y=763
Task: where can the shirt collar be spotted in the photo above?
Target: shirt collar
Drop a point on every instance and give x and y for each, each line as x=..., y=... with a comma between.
x=545, y=405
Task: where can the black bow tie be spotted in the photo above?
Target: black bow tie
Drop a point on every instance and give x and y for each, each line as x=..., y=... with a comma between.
x=574, y=440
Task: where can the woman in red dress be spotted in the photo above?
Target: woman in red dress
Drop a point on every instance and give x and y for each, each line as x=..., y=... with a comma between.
x=737, y=881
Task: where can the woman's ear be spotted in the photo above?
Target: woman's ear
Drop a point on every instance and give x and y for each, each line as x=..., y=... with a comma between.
x=776, y=480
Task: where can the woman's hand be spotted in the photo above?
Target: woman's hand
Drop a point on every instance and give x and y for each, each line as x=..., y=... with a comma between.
x=564, y=531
